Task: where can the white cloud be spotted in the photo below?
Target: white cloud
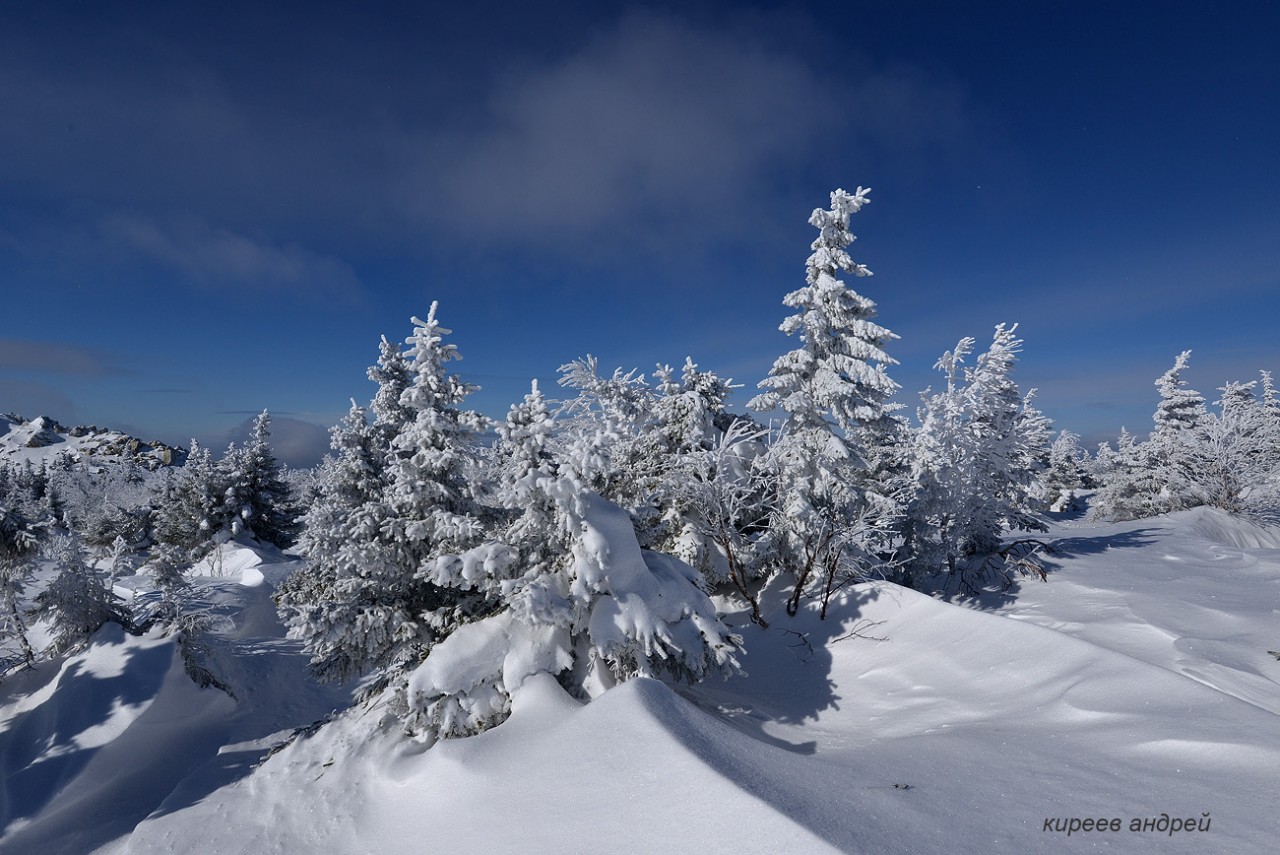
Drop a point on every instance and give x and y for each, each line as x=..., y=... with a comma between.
x=659, y=127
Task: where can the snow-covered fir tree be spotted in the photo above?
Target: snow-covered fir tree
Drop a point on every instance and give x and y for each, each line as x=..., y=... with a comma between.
x=837, y=377
x=78, y=601
x=525, y=445
x=829, y=519
x=191, y=506
x=1180, y=411
x=1066, y=472
x=976, y=469
x=373, y=598
x=1181, y=408
x=19, y=543
x=256, y=500
x=329, y=602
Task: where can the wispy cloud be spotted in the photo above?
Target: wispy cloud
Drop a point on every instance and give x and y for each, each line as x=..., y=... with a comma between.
x=54, y=358
x=218, y=258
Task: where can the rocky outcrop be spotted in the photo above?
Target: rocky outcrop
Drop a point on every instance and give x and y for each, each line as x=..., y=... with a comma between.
x=88, y=443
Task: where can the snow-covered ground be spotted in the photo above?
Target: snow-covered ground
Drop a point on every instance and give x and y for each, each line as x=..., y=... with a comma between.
x=1133, y=687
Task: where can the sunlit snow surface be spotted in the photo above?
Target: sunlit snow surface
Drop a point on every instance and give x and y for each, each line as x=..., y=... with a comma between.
x=1134, y=683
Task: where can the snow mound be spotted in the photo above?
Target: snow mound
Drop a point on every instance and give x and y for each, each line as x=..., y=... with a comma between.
x=247, y=561
x=639, y=770
x=1230, y=529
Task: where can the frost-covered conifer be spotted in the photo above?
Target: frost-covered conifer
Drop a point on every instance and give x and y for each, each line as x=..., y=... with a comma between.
x=1188, y=458
x=451, y=602
x=19, y=542
x=1180, y=407
x=78, y=601
x=1268, y=399
x=601, y=425
x=837, y=376
x=1231, y=458
x=1180, y=411
x=525, y=445
x=191, y=514
x=1130, y=481
x=830, y=518
x=169, y=566
x=977, y=465
x=1065, y=474
x=374, y=597
x=256, y=500
x=325, y=603
x=627, y=440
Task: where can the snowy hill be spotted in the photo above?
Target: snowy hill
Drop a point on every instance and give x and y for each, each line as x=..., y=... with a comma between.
x=43, y=438
x=1133, y=687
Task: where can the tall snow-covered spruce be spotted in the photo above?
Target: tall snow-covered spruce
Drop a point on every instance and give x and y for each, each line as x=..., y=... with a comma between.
x=394, y=499
x=830, y=520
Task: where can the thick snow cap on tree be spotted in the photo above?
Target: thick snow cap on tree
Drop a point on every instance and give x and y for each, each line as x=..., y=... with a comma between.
x=838, y=372
x=629, y=613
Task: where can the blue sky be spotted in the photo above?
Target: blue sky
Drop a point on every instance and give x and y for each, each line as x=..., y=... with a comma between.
x=212, y=209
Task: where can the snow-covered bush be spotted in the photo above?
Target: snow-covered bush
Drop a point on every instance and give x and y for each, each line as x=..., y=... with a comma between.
x=591, y=607
x=727, y=495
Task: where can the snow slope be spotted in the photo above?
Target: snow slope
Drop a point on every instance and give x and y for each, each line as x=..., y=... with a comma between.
x=93, y=743
x=1134, y=684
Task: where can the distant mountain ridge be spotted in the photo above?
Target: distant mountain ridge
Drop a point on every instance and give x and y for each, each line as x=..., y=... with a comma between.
x=43, y=438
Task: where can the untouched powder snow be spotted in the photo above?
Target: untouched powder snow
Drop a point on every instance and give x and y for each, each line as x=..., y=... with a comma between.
x=1133, y=686
x=1196, y=592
